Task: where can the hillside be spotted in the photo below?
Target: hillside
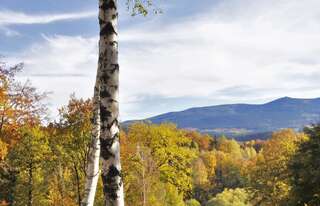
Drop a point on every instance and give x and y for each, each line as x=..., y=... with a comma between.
x=246, y=121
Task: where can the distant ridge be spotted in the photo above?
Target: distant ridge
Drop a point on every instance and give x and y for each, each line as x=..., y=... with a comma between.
x=246, y=121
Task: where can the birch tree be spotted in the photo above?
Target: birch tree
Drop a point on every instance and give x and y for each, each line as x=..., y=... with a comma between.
x=105, y=135
x=108, y=72
x=92, y=171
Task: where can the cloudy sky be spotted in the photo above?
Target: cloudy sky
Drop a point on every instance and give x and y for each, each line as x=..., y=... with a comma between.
x=197, y=53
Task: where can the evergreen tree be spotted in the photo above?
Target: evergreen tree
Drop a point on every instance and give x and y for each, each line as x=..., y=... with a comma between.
x=305, y=170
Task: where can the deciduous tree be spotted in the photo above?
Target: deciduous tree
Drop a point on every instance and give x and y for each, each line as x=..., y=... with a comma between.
x=271, y=177
x=20, y=104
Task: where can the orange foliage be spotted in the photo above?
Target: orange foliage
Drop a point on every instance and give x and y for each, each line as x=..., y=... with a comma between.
x=203, y=141
x=20, y=104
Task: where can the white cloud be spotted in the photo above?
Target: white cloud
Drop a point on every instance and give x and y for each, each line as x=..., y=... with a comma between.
x=240, y=42
x=62, y=65
x=241, y=51
x=8, y=17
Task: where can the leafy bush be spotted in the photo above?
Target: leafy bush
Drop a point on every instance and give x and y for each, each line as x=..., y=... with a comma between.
x=231, y=197
x=193, y=202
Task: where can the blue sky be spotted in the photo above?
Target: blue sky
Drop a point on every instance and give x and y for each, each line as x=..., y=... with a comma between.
x=195, y=54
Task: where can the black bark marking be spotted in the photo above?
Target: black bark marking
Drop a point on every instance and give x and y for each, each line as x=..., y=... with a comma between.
x=105, y=77
x=106, y=144
x=108, y=5
x=102, y=56
x=110, y=184
x=103, y=128
x=112, y=101
x=113, y=43
x=115, y=121
x=104, y=113
x=106, y=154
x=101, y=21
x=115, y=68
x=96, y=88
x=115, y=87
x=108, y=29
x=105, y=94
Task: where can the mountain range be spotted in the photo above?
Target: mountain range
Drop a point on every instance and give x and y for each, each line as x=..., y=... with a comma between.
x=245, y=121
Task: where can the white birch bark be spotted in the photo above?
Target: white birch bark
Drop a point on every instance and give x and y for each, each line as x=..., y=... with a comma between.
x=92, y=171
x=109, y=107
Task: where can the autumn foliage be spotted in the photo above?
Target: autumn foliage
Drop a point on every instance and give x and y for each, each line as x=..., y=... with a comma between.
x=44, y=163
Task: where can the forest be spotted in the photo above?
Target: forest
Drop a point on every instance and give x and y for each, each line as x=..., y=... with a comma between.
x=43, y=162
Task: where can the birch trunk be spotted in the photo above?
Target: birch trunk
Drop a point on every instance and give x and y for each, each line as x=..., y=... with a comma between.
x=92, y=171
x=30, y=184
x=78, y=183
x=109, y=106
x=61, y=185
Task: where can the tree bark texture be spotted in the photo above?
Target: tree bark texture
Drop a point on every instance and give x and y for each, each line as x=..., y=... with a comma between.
x=92, y=170
x=109, y=106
